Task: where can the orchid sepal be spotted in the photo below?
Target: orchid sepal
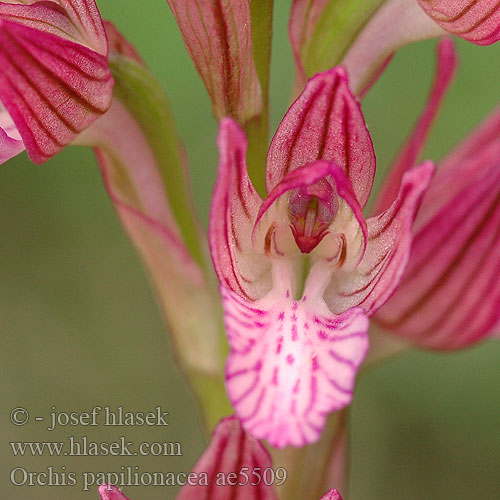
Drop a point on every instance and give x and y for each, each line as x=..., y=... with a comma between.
x=231, y=450
x=449, y=297
x=218, y=37
x=475, y=21
x=75, y=20
x=55, y=78
x=229, y=42
x=324, y=123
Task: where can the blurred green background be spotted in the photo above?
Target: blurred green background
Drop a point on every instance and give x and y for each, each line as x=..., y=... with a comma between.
x=80, y=326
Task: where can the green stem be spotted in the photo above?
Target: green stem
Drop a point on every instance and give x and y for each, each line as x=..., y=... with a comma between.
x=210, y=394
x=257, y=130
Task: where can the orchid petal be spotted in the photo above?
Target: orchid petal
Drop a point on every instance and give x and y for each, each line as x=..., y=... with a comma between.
x=230, y=451
x=450, y=294
x=291, y=361
x=388, y=247
x=235, y=205
x=408, y=157
x=52, y=88
x=75, y=20
x=332, y=495
x=110, y=492
x=218, y=36
x=324, y=123
x=477, y=21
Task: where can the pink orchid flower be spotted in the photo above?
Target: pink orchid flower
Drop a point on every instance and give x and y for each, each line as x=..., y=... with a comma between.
x=302, y=271
x=235, y=466
x=449, y=297
x=110, y=492
x=55, y=79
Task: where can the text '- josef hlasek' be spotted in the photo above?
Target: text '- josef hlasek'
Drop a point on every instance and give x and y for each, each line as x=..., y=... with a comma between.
x=106, y=416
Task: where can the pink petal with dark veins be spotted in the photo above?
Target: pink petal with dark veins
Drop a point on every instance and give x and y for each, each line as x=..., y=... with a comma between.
x=218, y=36
x=230, y=451
x=450, y=294
x=75, y=20
x=52, y=88
x=235, y=205
x=387, y=251
x=324, y=123
x=477, y=21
